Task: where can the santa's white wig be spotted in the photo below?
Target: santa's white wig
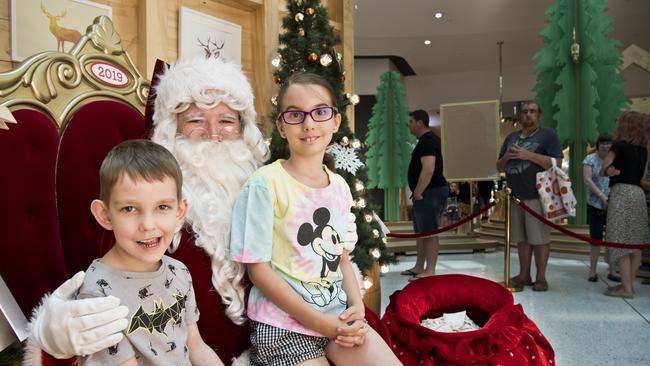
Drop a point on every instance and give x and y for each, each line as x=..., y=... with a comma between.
x=213, y=172
x=206, y=83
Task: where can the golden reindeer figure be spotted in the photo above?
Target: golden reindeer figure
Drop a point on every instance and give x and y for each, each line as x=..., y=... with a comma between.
x=61, y=34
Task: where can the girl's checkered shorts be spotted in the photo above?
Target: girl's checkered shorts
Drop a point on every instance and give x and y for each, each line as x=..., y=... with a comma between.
x=274, y=346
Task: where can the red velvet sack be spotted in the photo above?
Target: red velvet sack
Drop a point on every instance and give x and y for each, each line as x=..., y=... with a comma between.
x=507, y=336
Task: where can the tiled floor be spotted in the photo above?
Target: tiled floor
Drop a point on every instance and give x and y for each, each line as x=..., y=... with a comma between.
x=584, y=326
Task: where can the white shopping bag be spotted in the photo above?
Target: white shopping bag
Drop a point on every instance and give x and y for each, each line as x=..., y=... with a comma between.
x=555, y=193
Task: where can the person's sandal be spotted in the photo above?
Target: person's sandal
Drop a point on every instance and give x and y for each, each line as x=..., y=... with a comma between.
x=614, y=278
x=619, y=293
x=593, y=278
x=540, y=286
x=514, y=281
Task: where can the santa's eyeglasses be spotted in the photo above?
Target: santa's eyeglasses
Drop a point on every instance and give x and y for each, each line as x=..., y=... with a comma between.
x=320, y=114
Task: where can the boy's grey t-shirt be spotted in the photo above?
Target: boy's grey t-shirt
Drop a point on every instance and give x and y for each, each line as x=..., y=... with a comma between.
x=522, y=174
x=161, y=305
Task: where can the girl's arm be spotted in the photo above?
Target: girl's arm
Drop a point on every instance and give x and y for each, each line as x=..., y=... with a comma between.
x=350, y=285
x=605, y=170
x=200, y=353
x=283, y=296
x=130, y=362
x=586, y=172
x=354, y=315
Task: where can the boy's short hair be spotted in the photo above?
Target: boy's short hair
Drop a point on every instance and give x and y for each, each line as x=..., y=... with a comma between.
x=138, y=159
x=420, y=115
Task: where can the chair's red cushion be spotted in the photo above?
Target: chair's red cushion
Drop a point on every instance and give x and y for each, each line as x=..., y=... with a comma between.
x=31, y=262
x=506, y=334
x=217, y=330
x=92, y=132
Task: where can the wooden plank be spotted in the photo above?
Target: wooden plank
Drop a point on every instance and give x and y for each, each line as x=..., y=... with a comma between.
x=5, y=40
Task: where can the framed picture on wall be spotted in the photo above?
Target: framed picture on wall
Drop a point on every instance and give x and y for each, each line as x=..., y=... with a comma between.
x=208, y=36
x=50, y=25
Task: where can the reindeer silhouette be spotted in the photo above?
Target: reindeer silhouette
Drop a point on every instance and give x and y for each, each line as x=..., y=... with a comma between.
x=61, y=34
x=211, y=49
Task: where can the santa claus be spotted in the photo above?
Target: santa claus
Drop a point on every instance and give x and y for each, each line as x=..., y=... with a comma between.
x=204, y=115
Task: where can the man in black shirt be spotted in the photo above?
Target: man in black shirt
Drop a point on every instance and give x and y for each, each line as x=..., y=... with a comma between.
x=430, y=192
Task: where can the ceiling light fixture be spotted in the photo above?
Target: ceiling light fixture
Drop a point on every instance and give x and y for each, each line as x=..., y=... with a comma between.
x=438, y=15
x=427, y=42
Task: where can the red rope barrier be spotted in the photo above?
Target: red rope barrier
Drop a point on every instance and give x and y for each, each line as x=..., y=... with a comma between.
x=578, y=236
x=440, y=230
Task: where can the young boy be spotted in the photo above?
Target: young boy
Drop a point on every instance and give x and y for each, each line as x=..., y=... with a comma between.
x=140, y=201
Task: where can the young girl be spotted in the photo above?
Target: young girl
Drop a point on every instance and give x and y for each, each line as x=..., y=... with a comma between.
x=286, y=227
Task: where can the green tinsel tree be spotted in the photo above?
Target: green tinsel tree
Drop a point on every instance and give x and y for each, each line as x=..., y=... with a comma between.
x=578, y=84
x=307, y=44
x=389, y=142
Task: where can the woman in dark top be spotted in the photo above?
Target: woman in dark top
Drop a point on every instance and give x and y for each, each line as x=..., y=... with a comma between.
x=627, y=215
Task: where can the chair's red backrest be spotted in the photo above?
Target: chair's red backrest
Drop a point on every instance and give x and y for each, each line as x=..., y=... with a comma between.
x=31, y=262
x=89, y=135
x=71, y=109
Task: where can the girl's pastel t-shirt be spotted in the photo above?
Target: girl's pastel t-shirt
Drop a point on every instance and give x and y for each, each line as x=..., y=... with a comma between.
x=299, y=230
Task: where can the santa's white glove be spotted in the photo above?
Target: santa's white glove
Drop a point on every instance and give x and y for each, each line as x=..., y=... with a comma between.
x=64, y=327
x=350, y=239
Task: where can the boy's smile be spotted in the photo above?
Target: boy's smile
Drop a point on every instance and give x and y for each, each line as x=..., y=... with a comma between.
x=143, y=217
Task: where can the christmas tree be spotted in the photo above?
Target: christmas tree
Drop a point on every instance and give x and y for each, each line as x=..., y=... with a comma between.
x=390, y=142
x=308, y=44
x=578, y=84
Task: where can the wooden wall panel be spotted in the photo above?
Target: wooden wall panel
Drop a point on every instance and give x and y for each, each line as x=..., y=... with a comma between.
x=5, y=37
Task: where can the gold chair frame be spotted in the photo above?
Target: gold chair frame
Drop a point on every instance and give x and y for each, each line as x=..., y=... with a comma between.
x=58, y=83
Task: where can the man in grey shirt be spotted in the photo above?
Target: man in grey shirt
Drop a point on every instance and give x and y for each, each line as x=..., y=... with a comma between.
x=525, y=153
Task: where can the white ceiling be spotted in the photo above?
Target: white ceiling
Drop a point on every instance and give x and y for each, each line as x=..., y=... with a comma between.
x=465, y=38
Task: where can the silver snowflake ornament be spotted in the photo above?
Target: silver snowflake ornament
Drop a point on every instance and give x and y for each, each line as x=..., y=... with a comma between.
x=345, y=158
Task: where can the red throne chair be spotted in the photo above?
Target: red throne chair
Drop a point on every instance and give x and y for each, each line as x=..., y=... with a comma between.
x=71, y=109
x=507, y=337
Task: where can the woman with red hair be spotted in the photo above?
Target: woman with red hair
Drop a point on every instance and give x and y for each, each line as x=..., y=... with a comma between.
x=627, y=215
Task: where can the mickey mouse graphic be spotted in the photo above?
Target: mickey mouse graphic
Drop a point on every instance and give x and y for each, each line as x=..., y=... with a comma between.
x=325, y=242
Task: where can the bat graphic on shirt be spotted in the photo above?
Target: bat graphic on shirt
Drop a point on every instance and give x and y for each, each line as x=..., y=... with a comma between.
x=158, y=319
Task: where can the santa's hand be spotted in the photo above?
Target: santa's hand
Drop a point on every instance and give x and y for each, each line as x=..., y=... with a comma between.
x=350, y=240
x=64, y=327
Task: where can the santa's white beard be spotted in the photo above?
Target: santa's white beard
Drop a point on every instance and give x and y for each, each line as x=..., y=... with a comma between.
x=213, y=175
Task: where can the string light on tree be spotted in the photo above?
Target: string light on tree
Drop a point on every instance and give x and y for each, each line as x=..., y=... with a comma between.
x=276, y=61
x=274, y=100
x=367, y=283
x=299, y=17
x=385, y=268
x=358, y=186
x=356, y=144
x=375, y=253
x=353, y=98
x=312, y=57
x=368, y=218
x=375, y=233
x=339, y=57
x=325, y=59
x=361, y=203
x=310, y=11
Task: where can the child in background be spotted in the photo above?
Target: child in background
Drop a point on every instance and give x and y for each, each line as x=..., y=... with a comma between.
x=140, y=201
x=305, y=306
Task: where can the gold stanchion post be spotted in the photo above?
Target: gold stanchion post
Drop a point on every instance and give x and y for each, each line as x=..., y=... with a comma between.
x=506, y=244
